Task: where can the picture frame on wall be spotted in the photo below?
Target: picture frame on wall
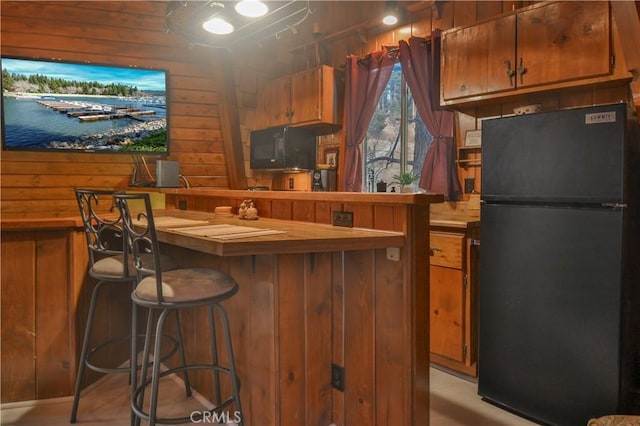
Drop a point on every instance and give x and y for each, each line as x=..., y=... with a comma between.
x=473, y=138
x=331, y=157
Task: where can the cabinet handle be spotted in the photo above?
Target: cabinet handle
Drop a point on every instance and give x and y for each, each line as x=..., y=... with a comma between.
x=432, y=250
x=510, y=72
x=522, y=71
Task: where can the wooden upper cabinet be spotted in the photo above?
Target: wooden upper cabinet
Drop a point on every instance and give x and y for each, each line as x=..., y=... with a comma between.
x=545, y=46
x=310, y=98
x=563, y=41
x=273, y=105
x=476, y=59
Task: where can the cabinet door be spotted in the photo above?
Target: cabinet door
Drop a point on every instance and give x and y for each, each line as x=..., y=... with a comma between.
x=306, y=96
x=273, y=105
x=476, y=60
x=563, y=41
x=447, y=312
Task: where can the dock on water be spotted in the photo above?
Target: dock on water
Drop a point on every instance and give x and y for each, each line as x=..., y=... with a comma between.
x=91, y=111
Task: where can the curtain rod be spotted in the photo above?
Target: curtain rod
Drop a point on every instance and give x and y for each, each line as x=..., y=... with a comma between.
x=392, y=49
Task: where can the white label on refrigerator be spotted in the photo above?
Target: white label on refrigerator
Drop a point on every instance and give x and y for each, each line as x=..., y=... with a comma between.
x=600, y=117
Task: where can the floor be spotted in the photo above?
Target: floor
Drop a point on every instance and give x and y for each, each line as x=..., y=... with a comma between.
x=454, y=402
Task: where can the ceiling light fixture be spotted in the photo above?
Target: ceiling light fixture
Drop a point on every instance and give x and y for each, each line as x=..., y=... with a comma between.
x=251, y=8
x=391, y=13
x=217, y=25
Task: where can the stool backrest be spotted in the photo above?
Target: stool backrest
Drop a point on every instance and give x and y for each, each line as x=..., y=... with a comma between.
x=102, y=223
x=140, y=232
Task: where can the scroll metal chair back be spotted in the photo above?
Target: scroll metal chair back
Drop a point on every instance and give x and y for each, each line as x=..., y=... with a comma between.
x=169, y=292
x=142, y=240
x=103, y=231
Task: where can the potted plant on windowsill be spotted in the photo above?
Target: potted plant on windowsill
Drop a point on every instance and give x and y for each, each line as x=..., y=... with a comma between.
x=407, y=181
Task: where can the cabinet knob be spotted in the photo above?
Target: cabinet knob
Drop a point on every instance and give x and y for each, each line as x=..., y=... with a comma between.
x=522, y=71
x=510, y=72
x=433, y=250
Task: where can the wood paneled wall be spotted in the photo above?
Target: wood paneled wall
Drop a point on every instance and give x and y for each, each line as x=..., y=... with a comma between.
x=205, y=113
x=119, y=33
x=133, y=33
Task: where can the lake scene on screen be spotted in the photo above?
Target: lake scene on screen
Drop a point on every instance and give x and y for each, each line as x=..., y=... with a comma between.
x=68, y=106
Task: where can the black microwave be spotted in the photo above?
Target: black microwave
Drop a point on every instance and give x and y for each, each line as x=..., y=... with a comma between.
x=281, y=148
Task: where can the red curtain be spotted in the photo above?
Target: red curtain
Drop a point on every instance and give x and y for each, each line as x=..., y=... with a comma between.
x=365, y=80
x=421, y=65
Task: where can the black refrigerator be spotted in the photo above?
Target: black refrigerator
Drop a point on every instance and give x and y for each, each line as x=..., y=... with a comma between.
x=559, y=333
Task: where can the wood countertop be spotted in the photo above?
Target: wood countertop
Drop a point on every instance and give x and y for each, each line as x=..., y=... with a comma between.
x=44, y=223
x=342, y=197
x=298, y=237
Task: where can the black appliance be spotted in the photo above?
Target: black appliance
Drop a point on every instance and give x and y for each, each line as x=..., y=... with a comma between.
x=559, y=333
x=280, y=148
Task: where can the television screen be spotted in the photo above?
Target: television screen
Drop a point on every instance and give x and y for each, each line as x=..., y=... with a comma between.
x=52, y=105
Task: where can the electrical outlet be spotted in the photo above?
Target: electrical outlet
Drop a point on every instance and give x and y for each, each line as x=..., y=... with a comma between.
x=393, y=253
x=343, y=219
x=291, y=183
x=337, y=377
x=182, y=204
x=469, y=185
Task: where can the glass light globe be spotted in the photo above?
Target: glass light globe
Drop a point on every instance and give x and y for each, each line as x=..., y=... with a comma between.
x=390, y=20
x=251, y=8
x=218, y=26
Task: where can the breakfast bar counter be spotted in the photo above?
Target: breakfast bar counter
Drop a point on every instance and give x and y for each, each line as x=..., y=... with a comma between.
x=331, y=323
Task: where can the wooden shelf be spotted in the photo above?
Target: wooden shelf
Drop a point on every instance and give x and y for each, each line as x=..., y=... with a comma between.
x=463, y=161
x=468, y=163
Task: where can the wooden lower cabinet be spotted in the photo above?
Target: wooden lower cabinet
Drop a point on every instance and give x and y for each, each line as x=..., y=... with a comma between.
x=453, y=256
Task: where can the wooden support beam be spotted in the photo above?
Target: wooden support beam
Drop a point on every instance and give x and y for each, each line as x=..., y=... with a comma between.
x=230, y=122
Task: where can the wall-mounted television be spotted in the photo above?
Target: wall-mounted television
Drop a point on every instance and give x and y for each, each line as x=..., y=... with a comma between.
x=54, y=105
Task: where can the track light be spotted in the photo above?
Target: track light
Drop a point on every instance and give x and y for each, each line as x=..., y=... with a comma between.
x=251, y=8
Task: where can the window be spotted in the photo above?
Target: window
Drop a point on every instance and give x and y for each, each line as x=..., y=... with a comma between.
x=397, y=140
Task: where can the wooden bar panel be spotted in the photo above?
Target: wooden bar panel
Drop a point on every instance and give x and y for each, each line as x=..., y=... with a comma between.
x=359, y=332
x=18, y=317
x=263, y=392
x=318, y=309
x=391, y=399
x=290, y=302
x=54, y=372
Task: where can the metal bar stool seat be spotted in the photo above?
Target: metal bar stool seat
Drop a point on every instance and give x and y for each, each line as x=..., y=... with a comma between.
x=168, y=292
x=104, y=235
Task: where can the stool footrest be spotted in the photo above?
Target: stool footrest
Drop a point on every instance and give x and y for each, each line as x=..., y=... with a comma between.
x=139, y=391
x=89, y=364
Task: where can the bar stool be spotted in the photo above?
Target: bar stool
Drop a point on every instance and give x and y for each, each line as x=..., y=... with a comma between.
x=103, y=230
x=168, y=292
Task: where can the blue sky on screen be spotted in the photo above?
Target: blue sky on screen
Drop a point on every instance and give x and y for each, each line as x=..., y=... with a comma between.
x=143, y=79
